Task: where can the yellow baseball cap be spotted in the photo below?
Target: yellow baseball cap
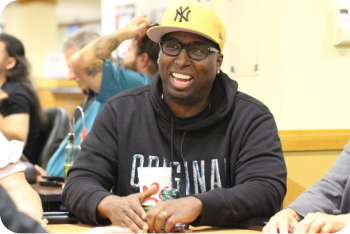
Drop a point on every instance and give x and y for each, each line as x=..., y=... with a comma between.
x=191, y=18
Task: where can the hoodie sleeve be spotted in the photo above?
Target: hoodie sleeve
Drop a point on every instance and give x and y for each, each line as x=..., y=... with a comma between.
x=328, y=194
x=85, y=184
x=259, y=179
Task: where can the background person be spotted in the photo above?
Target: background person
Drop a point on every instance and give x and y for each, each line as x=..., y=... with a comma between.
x=70, y=46
x=323, y=208
x=13, y=180
x=90, y=106
x=21, y=117
x=138, y=66
x=223, y=144
x=14, y=220
x=115, y=80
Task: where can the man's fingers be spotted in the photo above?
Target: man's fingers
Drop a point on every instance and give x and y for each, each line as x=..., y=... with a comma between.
x=283, y=229
x=316, y=226
x=40, y=170
x=146, y=194
x=138, y=216
x=127, y=222
x=139, y=211
x=160, y=220
x=141, y=30
x=303, y=227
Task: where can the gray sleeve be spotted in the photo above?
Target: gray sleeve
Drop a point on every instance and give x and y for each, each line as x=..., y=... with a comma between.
x=326, y=195
x=15, y=221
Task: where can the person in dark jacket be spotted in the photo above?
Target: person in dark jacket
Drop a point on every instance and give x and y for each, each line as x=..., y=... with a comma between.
x=223, y=144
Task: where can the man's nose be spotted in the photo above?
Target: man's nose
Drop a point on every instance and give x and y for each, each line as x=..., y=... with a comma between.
x=182, y=59
x=71, y=75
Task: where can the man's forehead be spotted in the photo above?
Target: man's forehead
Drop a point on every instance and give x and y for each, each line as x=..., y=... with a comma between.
x=2, y=46
x=69, y=52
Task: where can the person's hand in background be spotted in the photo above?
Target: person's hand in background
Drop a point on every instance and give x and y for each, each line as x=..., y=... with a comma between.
x=40, y=172
x=137, y=27
x=284, y=221
x=322, y=223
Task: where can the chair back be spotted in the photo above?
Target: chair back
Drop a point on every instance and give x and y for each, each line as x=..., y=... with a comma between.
x=57, y=129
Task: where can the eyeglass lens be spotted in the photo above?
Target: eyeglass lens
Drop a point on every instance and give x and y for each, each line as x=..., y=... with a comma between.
x=194, y=50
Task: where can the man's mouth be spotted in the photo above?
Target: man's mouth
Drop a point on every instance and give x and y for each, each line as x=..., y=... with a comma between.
x=181, y=78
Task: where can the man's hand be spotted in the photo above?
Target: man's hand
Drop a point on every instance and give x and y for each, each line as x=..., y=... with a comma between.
x=182, y=210
x=322, y=223
x=40, y=172
x=137, y=27
x=126, y=211
x=284, y=221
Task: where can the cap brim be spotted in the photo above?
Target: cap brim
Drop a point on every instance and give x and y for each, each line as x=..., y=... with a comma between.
x=156, y=33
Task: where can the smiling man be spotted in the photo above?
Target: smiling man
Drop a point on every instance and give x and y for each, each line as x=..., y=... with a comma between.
x=223, y=145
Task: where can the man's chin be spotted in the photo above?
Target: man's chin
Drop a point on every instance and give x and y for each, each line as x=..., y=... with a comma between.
x=84, y=90
x=129, y=66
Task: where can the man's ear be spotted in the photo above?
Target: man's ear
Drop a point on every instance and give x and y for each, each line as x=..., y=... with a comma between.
x=143, y=60
x=10, y=63
x=219, y=61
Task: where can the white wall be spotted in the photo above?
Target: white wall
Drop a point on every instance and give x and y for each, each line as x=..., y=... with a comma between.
x=304, y=79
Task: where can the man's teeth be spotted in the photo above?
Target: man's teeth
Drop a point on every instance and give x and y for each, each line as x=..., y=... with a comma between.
x=182, y=76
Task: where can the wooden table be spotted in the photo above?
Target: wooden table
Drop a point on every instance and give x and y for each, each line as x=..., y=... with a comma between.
x=78, y=228
x=47, y=189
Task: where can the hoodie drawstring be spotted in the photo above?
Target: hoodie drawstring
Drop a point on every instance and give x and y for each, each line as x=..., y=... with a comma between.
x=182, y=143
x=172, y=142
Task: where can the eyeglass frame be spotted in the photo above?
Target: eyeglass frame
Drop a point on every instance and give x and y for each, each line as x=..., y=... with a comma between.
x=185, y=46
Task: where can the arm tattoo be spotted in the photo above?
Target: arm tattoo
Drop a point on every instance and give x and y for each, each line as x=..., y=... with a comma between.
x=103, y=48
x=94, y=69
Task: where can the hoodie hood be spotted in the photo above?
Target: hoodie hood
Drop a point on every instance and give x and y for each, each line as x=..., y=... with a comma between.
x=222, y=103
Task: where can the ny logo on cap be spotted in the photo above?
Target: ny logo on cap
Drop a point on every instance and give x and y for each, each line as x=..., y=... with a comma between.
x=181, y=13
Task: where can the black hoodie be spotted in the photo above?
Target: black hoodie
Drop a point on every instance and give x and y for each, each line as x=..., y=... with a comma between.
x=233, y=145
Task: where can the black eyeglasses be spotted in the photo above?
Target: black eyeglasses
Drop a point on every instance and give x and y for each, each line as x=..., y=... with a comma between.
x=195, y=50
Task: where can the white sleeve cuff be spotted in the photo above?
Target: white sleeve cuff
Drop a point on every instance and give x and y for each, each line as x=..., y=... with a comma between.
x=11, y=168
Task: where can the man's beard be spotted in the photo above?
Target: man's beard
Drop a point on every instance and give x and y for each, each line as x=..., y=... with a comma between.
x=130, y=65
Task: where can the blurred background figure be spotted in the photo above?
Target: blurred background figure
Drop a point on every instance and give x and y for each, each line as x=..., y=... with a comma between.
x=139, y=64
x=70, y=46
x=90, y=106
x=137, y=68
x=21, y=117
x=13, y=180
x=323, y=208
